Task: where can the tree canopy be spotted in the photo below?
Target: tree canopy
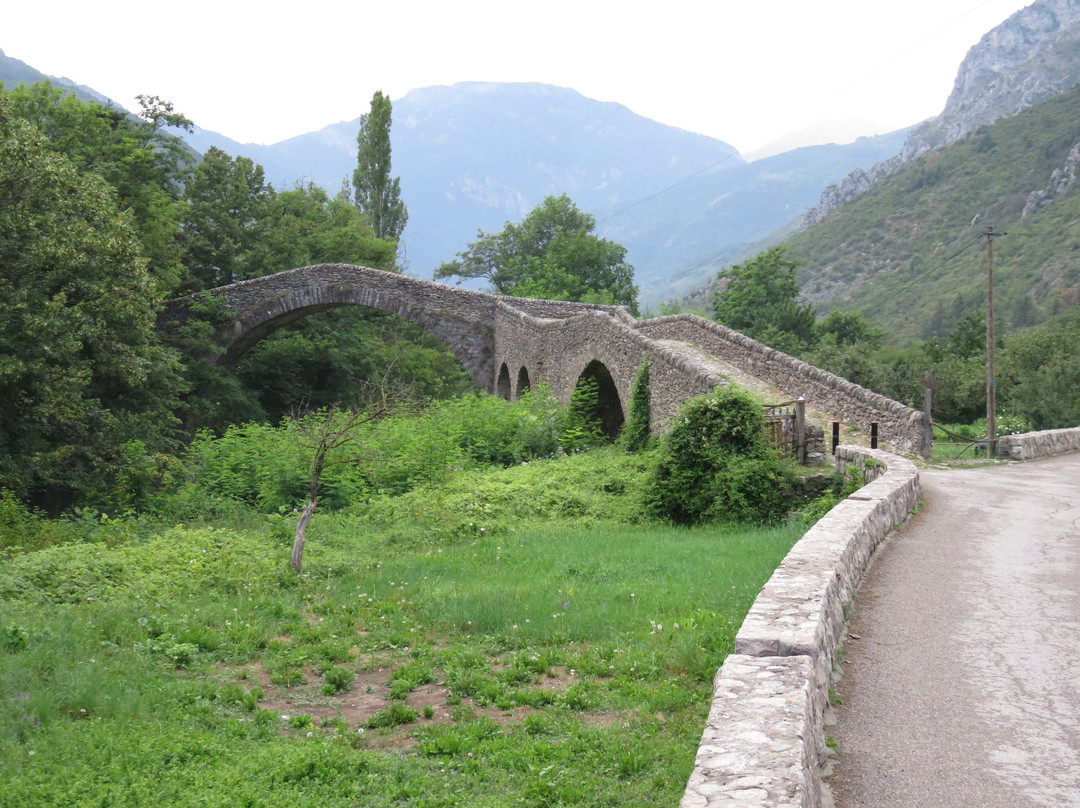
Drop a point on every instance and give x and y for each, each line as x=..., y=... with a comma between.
x=81, y=371
x=378, y=196
x=760, y=299
x=553, y=254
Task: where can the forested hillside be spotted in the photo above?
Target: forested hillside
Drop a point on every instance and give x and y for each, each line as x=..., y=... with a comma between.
x=908, y=253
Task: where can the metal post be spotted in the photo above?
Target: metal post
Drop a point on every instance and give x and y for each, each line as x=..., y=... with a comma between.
x=835, y=435
x=991, y=384
x=873, y=435
x=800, y=428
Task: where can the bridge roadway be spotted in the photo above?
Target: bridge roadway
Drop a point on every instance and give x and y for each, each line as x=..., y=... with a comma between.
x=961, y=672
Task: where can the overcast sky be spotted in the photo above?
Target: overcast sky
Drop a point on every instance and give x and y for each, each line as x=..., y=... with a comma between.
x=747, y=73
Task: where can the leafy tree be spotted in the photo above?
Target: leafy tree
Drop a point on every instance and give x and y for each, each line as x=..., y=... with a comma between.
x=311, y=227
x=378, y=196
x=845, y=328
x=760, y=299
x=552, y=253
x=81, y=372
x=227, y=221
x=146, y=165
x=1039, y=374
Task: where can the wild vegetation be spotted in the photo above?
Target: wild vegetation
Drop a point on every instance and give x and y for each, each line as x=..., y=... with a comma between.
x=1037, y=369
x=915, y=237
x=482, y=619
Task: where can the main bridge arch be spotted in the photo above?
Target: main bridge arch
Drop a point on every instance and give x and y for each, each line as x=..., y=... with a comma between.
x=463, y=320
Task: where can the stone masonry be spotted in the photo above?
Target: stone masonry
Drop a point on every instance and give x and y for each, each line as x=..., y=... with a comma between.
x=505, y=343
x=764, y=743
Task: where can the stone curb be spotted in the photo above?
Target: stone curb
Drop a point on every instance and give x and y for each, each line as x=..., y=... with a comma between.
x=763, y=742
x=1039, y=444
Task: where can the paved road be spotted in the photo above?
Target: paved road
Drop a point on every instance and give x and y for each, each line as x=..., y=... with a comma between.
x=961, y=675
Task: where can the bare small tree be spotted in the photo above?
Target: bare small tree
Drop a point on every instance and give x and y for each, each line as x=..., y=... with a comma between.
x=325, y=435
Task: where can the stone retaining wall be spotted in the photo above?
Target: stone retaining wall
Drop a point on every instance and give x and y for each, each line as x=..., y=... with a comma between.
x=1039, y=444
x=763, y=742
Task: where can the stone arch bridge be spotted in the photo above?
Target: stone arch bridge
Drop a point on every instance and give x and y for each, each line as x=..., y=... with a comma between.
x=508, y=345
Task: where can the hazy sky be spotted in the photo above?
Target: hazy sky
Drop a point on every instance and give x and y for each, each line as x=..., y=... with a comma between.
x=747, y=73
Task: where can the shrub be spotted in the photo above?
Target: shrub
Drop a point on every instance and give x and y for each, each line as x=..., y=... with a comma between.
x=715, y=463
x=635, y=433
x=337, y=680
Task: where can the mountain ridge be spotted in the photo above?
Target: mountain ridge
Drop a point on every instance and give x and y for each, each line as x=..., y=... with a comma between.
x=1030, y=57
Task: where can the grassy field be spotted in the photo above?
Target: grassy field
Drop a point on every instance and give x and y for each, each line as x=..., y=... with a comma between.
x=423, y=658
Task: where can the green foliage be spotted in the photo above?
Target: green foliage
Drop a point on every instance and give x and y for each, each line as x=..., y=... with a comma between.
x=82, y=371
x=128, y=663
x=226, y=220
x=1039, y=374
x=583, y=429
x=635, y=434
x=144, y=164
x=337, y=680
x=760, y=299
x=378, y=197
x=845, y=329
x=908, y=254
x=310, y=227
x=265, y=467
x=714, y=462
x=552, y=254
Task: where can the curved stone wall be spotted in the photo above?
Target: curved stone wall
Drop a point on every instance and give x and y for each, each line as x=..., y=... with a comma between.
x=763, y=742
x=1039, y=444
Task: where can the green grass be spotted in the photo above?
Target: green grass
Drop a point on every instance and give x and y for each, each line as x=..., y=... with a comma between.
x=417, y=661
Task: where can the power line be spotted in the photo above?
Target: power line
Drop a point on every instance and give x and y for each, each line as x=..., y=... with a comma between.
x=929, y=272
x=663, y=191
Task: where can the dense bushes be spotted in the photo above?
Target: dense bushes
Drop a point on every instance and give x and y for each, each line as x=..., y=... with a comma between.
x=267, y=467
x=715, y=463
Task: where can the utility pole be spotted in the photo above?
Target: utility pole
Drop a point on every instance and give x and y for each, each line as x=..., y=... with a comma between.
x=991, y=382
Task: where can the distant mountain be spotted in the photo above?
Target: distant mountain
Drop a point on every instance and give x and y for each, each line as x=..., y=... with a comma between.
x=14, y=72
x=1030, y=57
x=473, y=156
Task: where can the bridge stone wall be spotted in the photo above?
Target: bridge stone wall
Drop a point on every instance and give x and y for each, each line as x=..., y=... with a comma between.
x=1048, y=442
x=556, y=351
x=550, y=341
x=462, y=319
x=900, y=426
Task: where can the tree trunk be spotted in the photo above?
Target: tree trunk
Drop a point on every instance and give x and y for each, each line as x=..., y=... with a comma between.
x=301, y=531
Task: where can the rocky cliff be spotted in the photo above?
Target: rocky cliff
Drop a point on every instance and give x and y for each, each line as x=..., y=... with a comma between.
x=1033, y=55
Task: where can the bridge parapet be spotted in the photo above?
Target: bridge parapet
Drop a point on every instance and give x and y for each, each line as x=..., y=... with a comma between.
x=502, y=339
x=901, y=426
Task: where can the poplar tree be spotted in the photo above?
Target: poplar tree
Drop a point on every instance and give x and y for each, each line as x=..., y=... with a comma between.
x=377, y=195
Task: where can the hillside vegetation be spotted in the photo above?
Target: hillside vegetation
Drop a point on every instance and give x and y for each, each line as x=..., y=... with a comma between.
x=909, y=253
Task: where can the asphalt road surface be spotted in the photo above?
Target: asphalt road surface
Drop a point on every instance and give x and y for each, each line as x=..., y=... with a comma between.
x=961, y=668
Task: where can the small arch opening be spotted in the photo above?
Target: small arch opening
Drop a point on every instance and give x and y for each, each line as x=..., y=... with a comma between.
x=523, y=385
x=502, y=386
x=607, y=410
